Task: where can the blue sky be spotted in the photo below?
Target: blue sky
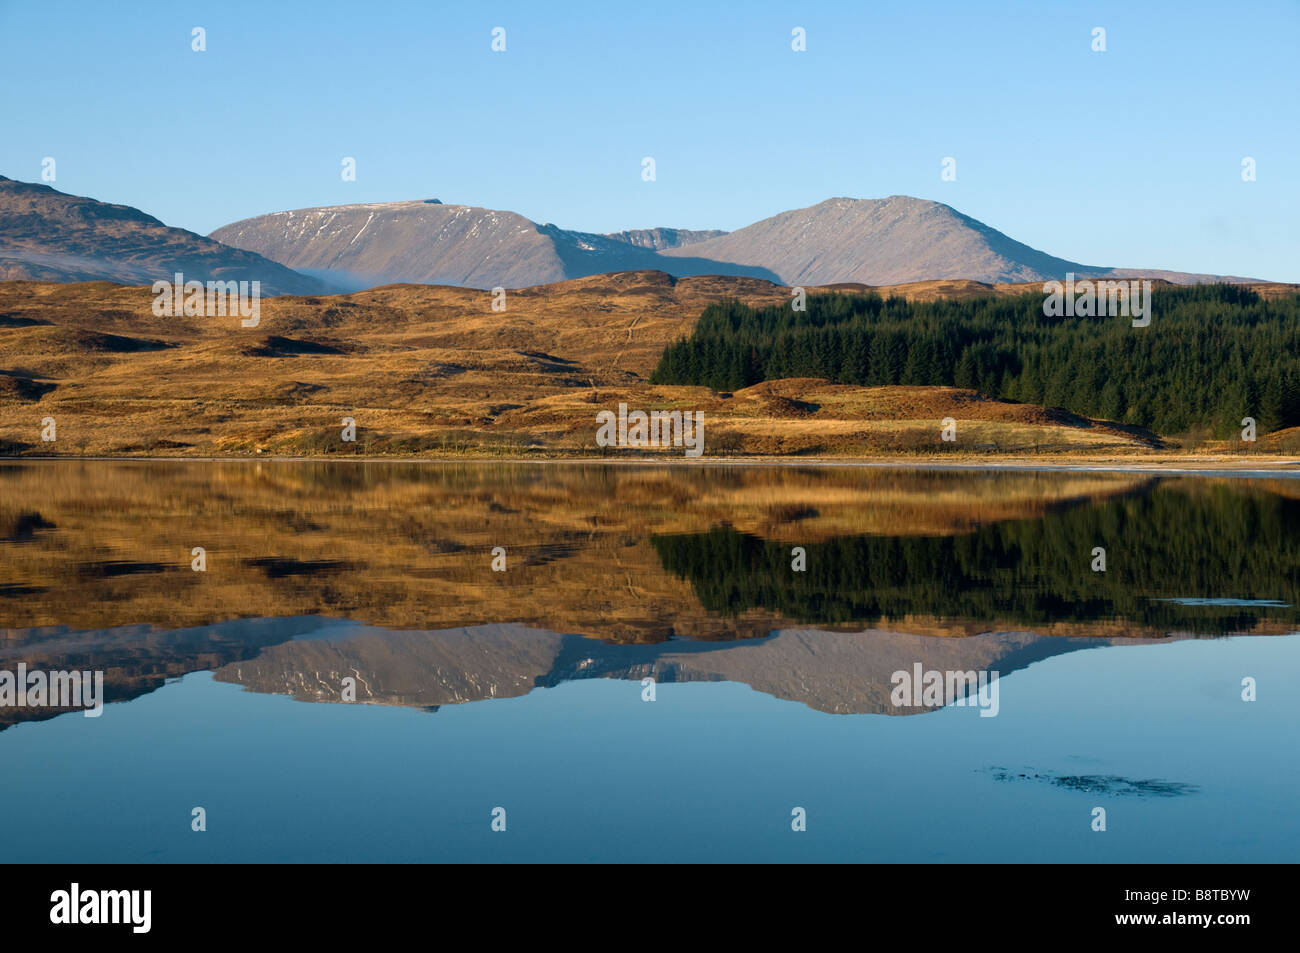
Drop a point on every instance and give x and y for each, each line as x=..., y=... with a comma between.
x=1131, y=157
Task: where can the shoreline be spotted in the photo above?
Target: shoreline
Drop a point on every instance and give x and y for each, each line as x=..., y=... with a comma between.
x=1226, y=466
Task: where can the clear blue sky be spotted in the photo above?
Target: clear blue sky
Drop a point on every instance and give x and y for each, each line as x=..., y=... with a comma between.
x=1130, y=157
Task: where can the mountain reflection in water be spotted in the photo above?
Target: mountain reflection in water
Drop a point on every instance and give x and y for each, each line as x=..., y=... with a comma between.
x=608, y=568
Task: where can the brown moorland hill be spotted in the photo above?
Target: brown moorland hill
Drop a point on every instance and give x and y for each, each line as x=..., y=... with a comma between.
x=435, y=371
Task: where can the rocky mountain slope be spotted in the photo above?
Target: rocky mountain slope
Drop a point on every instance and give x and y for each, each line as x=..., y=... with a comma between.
x=894, y=241
x=48, y=235
x=869, y=241
x=360, y=246
x=660, y=238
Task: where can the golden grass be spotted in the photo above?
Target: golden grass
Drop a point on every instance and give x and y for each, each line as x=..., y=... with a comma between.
x=428, y=371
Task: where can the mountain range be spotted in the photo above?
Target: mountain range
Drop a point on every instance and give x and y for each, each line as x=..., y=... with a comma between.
x=427, y=242
x=888, y=241
x=50, y=235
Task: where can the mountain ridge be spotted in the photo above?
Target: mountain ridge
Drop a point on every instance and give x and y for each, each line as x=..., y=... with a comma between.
x=911, y=240
x=371, y=244
x=889, y=241
x=49, y=235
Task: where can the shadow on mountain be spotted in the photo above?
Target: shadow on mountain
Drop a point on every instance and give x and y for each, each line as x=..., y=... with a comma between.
x=596, y=255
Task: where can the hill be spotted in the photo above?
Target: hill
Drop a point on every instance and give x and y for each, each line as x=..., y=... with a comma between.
x=429, y=370
x=48, y=235
x=1216, y=353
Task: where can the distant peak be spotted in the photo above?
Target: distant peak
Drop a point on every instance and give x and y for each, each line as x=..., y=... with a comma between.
x=845, y=201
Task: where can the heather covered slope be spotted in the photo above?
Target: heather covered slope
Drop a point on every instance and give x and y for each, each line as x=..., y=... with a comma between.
x=429, y=370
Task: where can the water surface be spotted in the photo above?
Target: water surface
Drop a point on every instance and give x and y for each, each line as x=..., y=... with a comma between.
x=773, y=687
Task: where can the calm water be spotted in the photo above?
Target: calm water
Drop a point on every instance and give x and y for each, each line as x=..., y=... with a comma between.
x=352, y=676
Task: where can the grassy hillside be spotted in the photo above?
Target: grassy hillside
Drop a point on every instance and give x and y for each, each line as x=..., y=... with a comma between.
x=435, y=371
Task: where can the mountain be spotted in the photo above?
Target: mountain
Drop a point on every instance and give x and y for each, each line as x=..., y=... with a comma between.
x=658, y=239
x=306, y=657
x=359, y=246
x=894, y=241
x=48, y=235
x=52, y=236
x=888, y=241
x=834, y=672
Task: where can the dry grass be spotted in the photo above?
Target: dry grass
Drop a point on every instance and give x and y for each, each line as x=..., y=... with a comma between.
x=434, y=371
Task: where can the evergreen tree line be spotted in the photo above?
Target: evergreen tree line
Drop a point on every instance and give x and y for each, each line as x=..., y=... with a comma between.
x=1161, y=545
x=1211, y=355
